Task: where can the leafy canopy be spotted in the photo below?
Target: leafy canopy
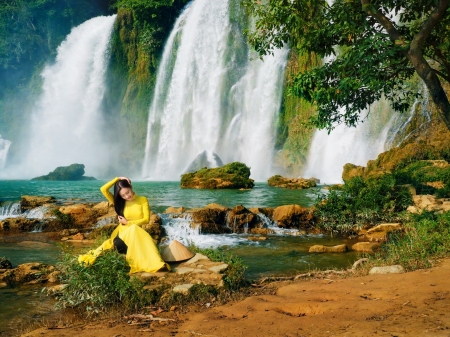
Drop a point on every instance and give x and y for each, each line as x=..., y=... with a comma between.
x=370, y=49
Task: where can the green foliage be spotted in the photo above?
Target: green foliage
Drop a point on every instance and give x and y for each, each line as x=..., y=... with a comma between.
x=236, y=173
x=359, y=203
x=426, y=237
x=234, y=276
x=366, y=61
x=66, y=220
x=97, y=288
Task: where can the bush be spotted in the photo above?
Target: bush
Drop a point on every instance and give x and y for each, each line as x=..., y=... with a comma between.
x=426, y=237
x=360, y=202
x=96, y=288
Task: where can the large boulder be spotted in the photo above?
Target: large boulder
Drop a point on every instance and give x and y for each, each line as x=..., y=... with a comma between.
x=81, y=215
x=293, y=216
x=233, y=175
x=291, y=183
x=240, y=218
x=429, y=203
x=71, y=172
x=19, y=224
x=28, y=202
x=154, y=227
x=30, y=273
x=210, y=220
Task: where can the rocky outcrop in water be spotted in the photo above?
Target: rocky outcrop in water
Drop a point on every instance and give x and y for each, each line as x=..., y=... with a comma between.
x=28, y=202
x=293, y=216
x=292, y=183
x=233, y=175
x=71, y=172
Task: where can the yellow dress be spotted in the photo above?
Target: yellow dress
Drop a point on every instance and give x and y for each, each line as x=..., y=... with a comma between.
x=142, y=254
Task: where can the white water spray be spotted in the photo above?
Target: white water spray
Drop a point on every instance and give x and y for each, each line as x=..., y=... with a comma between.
x=67, y=124
x=4, y=147
x=210, y=96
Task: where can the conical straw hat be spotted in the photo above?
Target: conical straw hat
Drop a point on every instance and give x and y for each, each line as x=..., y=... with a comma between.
x=175, y=252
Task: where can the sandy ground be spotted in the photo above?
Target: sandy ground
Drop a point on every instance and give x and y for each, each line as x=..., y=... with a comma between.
x=411, y=304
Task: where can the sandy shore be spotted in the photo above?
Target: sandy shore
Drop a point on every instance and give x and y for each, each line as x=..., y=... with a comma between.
x=411, y=304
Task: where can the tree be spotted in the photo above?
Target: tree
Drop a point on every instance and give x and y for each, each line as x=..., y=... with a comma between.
x=370, y=49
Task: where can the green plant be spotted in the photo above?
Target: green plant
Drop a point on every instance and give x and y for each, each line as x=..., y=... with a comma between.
x=234, y=276
x=66, y=220
x=361, y=202
x=94, y=289
x=426, y=237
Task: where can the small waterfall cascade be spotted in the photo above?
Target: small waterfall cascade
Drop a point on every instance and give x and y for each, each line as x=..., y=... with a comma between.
x=4, y=148
x=179, y=227
x=67, y=122
x=210, y=96
x=10, y=209
x=379, y=132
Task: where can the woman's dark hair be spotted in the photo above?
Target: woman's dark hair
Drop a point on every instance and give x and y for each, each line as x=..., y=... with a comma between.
x=119, y=202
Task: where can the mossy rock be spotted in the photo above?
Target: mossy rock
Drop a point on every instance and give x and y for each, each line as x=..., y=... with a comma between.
x=291, y=183
x=232, y=175
x=71, y=172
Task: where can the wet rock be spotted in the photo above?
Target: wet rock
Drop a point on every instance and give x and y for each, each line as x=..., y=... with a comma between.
x=154, y=227
x=240, y=218
x=217, y=206
x=78, y=236
x=261, y=231
x=28, y=273
x=328, y=249
x=28, y=202
x=267, y=211
x=19, y=224
x=293, y=216
x=210, y=220
x=174, y=210
x=5, y=263
x=366, y=247
x=291, y=183
x=395, y=269
x=257, y=238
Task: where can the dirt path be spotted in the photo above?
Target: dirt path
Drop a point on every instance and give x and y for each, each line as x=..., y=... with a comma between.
x=411, y=304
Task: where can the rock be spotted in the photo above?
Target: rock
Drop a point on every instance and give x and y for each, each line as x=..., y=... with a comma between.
x=395, y=269
x=217, y=206
x=210, y=220
x=359, y=262
x=71, y=172
x=197, y=257
x=240, y=218
x=385, y=227
x=233, y=175
x=5, y=263
x=28, y=202
x=28, y=272
x=83, y=215
x=206, y=159
x=56, y=289
x=183, y=270
x=261, y=231
x=19, y=224
x=53, y=277
x=182, y=288
x=327, y=249
x=78, y=236
x=174, y=210
x=257, y=238
x=293, y=216
x=154, y=227
x=219, y=268
x=350, y=171
x=429, y=203
x=291, y=183
x=366, y=247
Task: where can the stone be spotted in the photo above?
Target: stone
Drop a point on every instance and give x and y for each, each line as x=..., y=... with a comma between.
x=154, y=227
x=328, y=249
x=78, y=236
x=197, y=257
x=293, y=216
x=261, y=231
x=19, y=224
x=219, y=269
x=385, y=228
x=256, y=238
x=183, y=270
x=366, y=247
x=350, y=171
x=83, y=215
x=395, y=269
x=182, y=288
x=217, y=206
x=210, y=220
x=174, y=210
x=240, y=220
x=5, y=263
x=291, y=183
x=56, y=289
x=53, y=277
x=28, y=202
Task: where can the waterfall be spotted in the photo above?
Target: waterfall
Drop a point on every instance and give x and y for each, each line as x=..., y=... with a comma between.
x=10, y=209
x=67, y=125
x=210, y=96
x=357, y=145
x=4, y=147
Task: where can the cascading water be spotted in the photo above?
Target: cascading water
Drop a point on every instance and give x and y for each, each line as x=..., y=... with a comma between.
x=67, y=124
x=357, y=145
x=4, y=147
x=210, y=96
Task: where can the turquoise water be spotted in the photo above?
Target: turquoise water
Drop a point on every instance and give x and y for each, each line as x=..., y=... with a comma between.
x=160, y=194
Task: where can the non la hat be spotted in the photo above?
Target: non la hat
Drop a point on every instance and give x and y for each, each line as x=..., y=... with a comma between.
x=175, y=252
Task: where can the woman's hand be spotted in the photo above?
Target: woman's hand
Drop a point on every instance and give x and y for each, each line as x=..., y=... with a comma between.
x=125, y=178
x=122, y=220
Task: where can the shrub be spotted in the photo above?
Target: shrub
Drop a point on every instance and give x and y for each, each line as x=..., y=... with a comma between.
x=96, y=288
x=426, y=237
x=361, y=202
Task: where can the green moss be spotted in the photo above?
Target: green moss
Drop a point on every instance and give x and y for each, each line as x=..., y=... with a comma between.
x=232, y=175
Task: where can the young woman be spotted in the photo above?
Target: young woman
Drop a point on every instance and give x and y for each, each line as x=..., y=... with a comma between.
x=129, y=238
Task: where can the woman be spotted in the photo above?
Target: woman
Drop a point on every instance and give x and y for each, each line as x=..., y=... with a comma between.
x=129, y=238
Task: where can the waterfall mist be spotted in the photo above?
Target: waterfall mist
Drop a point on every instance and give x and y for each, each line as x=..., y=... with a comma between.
x=67, y=125
x=4, y=148
x=209, y=96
